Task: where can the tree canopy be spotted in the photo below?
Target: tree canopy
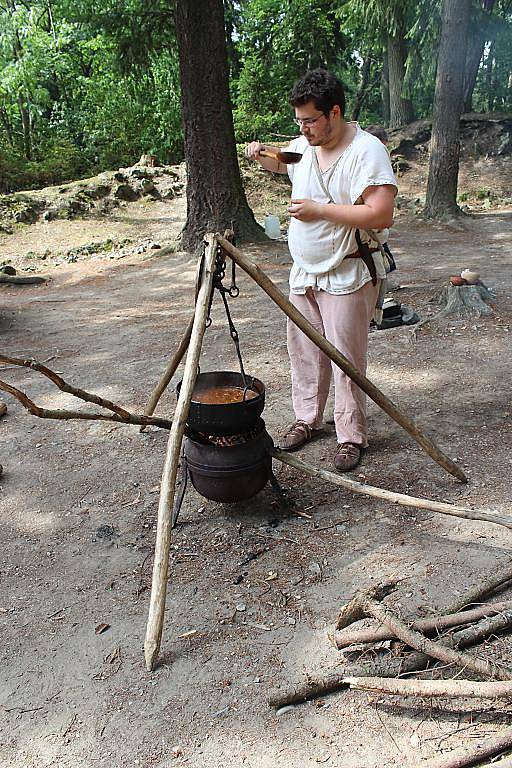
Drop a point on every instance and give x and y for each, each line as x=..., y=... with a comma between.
x=89, y=85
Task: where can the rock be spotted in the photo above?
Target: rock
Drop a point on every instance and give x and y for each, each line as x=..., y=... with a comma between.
x=139, y=173
x=126, y=192
x=146, y=186
x=98, y=191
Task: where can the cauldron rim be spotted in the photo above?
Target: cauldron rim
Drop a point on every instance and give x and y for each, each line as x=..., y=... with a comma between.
x=207, y=378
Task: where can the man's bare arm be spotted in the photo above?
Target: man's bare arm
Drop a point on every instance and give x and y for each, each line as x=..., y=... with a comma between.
x=376, y=211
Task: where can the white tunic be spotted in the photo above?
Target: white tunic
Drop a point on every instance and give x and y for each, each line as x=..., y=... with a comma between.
x=318, y=247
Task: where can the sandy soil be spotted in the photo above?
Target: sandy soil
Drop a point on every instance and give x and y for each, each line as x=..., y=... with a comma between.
x=253, y=592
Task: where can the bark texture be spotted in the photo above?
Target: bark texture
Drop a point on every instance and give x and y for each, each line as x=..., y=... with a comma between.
x=400, y=109
x=215, y=197
x=476, y=44
x=443, y=174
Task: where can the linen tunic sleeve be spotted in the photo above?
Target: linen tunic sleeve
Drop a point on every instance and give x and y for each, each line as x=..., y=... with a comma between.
x=371, y=168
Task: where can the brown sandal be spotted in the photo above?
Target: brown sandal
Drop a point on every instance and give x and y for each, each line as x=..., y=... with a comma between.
x=347, y=457
x=296, y=435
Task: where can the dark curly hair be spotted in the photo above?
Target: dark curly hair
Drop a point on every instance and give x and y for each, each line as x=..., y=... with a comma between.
x=321, y=87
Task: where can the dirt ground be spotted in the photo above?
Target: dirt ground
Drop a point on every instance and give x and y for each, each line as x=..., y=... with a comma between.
x=253, y=592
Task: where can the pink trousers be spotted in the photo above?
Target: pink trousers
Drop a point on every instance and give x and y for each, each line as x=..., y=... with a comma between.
x=344, y=321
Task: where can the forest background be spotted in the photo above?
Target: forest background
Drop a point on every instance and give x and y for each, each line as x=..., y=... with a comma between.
x=86, y=86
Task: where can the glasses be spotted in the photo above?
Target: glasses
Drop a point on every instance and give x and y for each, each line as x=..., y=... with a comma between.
x=307, y=121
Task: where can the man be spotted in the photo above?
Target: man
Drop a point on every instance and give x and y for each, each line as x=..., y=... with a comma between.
x=342, y=186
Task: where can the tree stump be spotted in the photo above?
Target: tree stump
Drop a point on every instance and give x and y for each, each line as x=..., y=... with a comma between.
x=464, y=301
x=467, y=302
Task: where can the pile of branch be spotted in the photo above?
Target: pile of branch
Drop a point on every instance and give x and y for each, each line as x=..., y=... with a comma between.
x=475, y=622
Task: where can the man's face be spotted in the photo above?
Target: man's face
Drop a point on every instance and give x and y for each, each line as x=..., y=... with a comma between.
x=314, y=125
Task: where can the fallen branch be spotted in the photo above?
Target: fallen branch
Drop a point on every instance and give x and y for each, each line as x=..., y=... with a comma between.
x=46, y=413
x=460, y=758
x=437, y=650
x=313, y=688
x=434, y=624
x=63, y=385
x=397, y=498
x=354, y=610
x=22, y=279
x=458, y=687
x=486, y=627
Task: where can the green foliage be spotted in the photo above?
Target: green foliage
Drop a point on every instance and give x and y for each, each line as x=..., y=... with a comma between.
x=277, y=42
x=86, y=85
x=69, y=101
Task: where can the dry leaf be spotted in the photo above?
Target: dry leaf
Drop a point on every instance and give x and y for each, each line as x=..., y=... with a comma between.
x=101, y=628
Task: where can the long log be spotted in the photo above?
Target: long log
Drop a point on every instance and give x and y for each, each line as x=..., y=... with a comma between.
x=466, y=688
x=430, y=625
x=383, y=493
x=163, y=534
x=465, y=756
x=341, y=361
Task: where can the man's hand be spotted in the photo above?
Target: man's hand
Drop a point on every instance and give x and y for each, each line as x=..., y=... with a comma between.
x=305, y=210
x=253, y=150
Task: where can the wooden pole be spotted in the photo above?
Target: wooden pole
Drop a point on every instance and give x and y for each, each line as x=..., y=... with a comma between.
x=163, y=532
x=397, y=498
x=169, y=372
x=427, y=688
x=341, y=361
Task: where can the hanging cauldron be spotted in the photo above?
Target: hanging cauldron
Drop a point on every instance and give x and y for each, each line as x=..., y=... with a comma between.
x=229, y=473
x=226, y=450
x=222, y=405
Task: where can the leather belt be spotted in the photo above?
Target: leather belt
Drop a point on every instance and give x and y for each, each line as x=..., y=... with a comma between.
x=357, y=254
x=366, y=255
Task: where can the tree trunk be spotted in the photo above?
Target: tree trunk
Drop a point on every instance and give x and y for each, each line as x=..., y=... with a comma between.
x=4, y=117
x=476, y=46
x=384, y=87
x=400, y=108
x=25, y=121
x=215, y=197
x=363, y=87
x=443, y=173
x=473, y=59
